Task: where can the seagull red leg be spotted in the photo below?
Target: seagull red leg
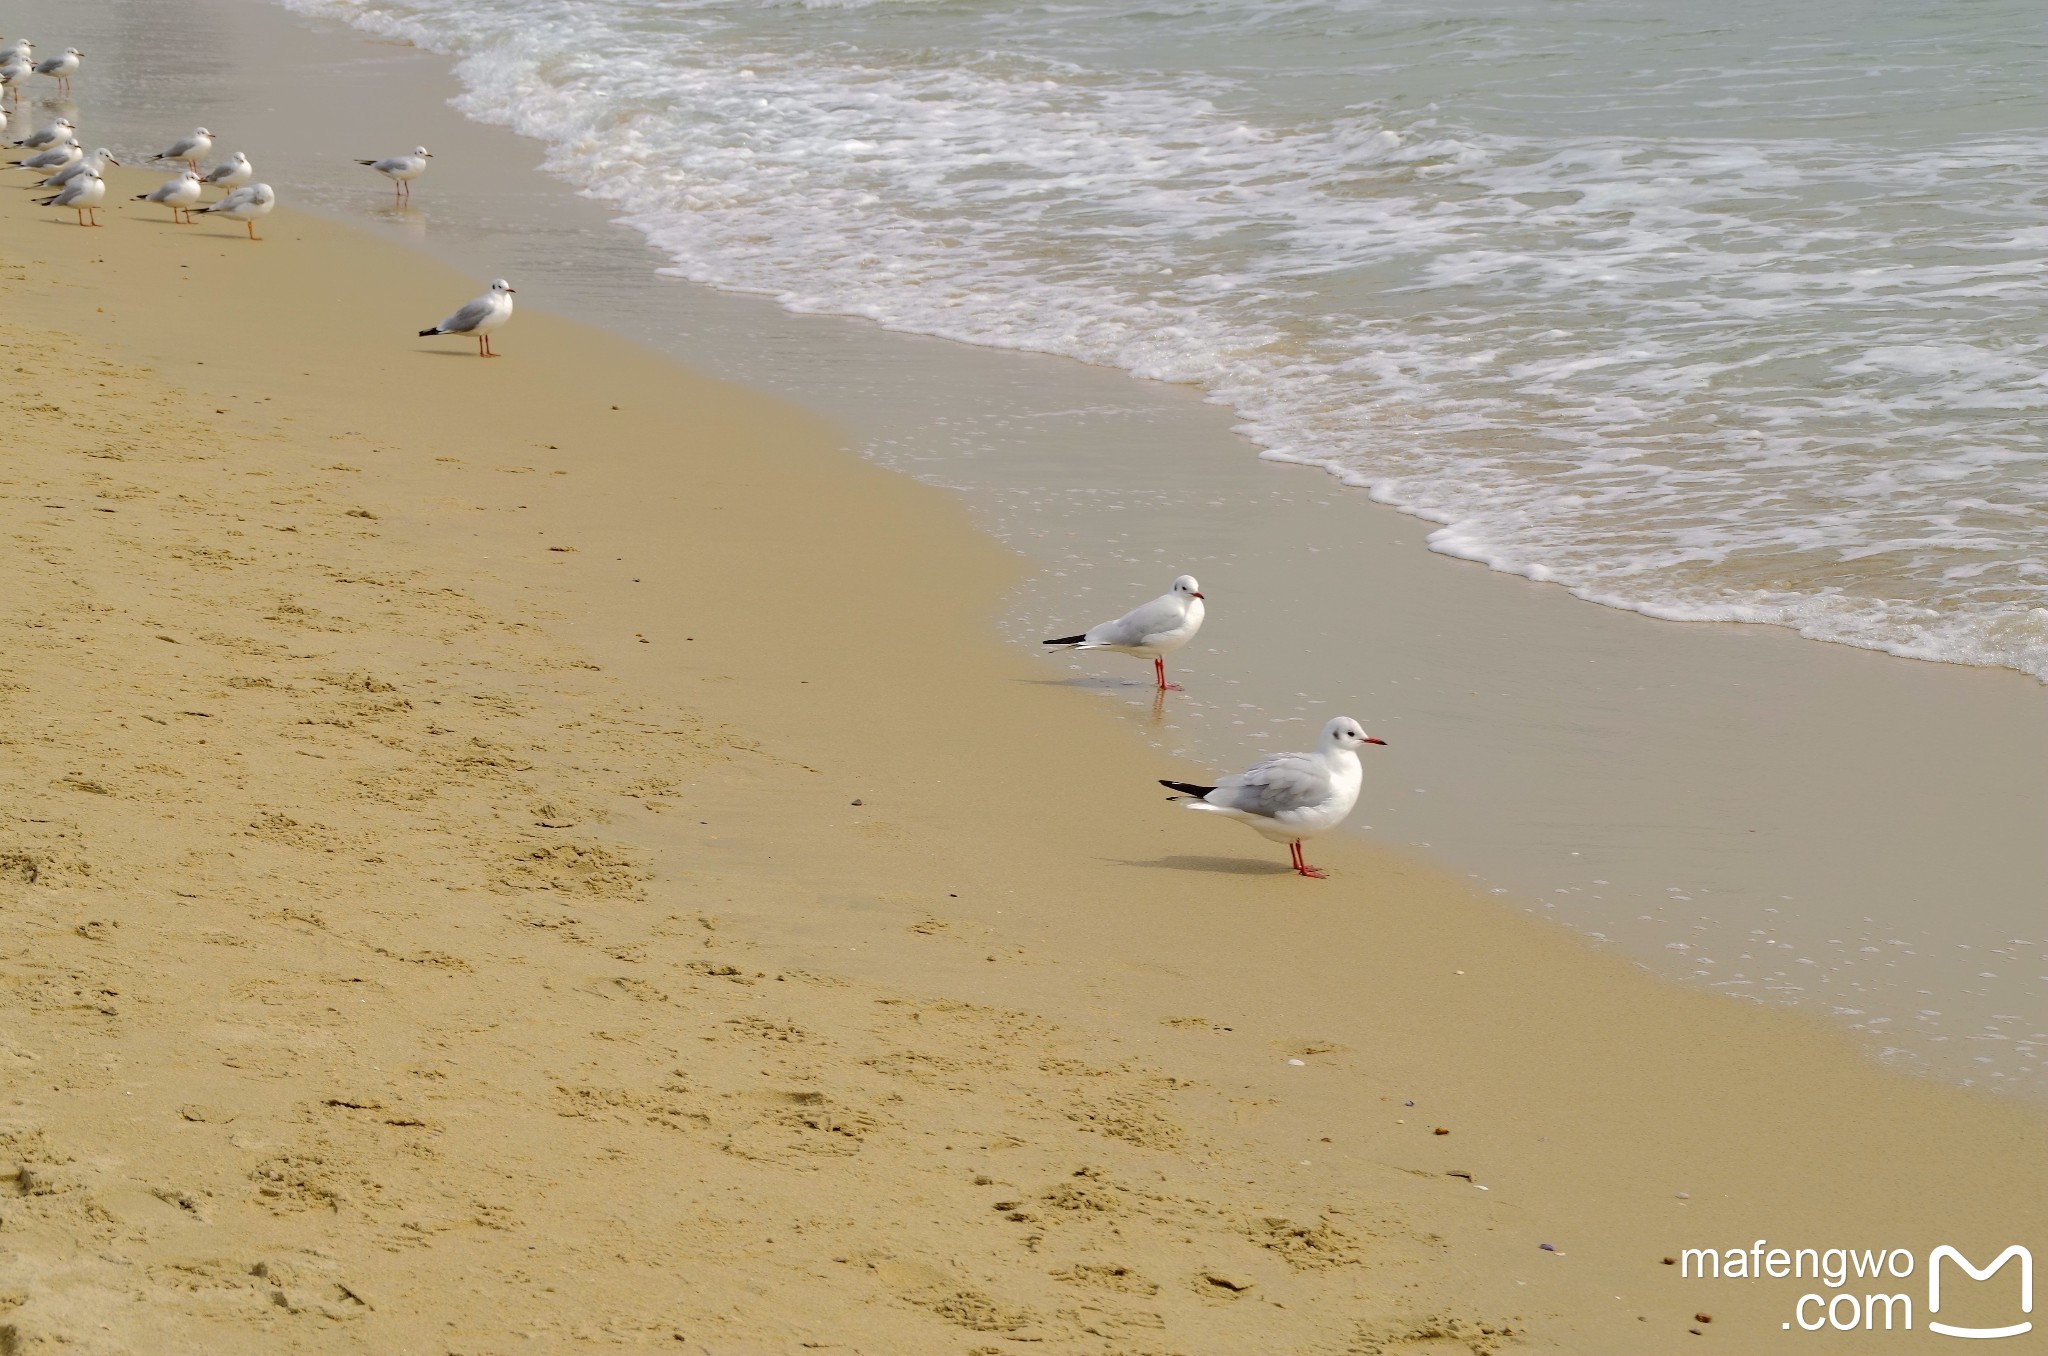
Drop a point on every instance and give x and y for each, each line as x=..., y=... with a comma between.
x=1301, y=864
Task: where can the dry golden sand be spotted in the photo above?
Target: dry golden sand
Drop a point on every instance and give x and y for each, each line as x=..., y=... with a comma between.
x=437, y=917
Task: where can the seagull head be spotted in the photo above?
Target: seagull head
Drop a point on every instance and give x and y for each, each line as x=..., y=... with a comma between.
x=202, y=132
x=500, y=285
x=1346, y=733
x=1187, y=587
x=423, y=153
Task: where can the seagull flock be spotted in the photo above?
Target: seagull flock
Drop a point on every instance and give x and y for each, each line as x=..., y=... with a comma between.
x=77, y=176
x=1284, y=797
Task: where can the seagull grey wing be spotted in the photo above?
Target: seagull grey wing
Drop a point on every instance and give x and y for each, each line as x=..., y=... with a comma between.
x=1275, y=785
x=1146, y=619
x=468, y=318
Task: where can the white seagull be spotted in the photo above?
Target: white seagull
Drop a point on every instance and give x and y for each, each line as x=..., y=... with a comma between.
x=231, y=173
x=16, y=49
x=178, y=193
x=12, y=72
x=57, y=157
x=45, y=137
x=480, y=317
x=1151, y=631
x=82, y=195
x=191, y=149
x=1290, y=797
x=245, y=205
x=63, y=67
x=401, y=170
x=92, y=162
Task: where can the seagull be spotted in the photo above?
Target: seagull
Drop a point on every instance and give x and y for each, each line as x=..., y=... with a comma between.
x=245, y=205
x=1289, y=797
x=480, y=317
x=82, y=195
x=231, y=173
x=401, y=170
x=57, y=157
x=19, y=49
x=188, y=149
x=63, y=67
x=1152, y=631
x=13, y=72
x=93, y=162
x=44, y=138
x=178, y=193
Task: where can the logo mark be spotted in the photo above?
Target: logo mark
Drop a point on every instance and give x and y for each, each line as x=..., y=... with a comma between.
x=1934, y=1289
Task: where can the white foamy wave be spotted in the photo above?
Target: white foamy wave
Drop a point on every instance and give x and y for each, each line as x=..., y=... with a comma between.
x=1700, y=366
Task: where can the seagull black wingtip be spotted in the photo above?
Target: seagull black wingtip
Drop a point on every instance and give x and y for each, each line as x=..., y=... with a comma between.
x=1188, y=788
x=1065, y=640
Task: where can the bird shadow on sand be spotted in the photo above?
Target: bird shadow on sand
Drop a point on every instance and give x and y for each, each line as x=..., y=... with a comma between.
x=469, y=353
x=1227, y=866
x=1086, y=683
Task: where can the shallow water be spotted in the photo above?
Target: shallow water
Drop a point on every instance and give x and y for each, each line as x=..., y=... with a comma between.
x=1715, y=316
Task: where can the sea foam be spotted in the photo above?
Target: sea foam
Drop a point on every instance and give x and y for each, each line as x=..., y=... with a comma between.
x=1615, y=304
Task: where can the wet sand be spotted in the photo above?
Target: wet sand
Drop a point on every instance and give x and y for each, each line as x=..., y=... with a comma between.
x=441, y=918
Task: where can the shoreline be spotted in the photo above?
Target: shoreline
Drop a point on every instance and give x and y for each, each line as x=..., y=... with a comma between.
x=1728, y=805
x=1731, y=807
x=1029, y=1053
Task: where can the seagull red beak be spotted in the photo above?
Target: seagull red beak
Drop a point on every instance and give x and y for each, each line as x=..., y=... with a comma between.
x=1375, y=739
x=1203, y=599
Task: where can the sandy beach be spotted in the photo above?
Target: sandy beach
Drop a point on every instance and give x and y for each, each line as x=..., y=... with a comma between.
x=1730, y=806
x=551, y=854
